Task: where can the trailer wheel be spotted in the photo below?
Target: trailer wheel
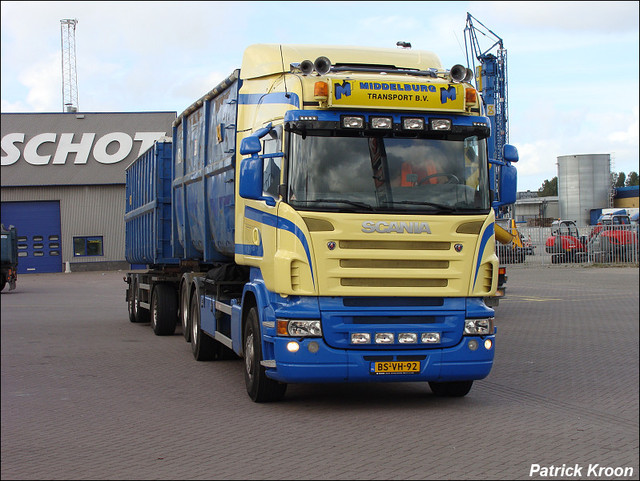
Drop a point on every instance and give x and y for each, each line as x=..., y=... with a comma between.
x=131, y=304
x=184, y=311
x=203, y=347
x=451, y=389
x=164, y=310
x=259, y=387
x=140, y=315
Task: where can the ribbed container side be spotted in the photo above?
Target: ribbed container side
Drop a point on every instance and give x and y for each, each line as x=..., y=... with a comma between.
x=148, y=207
x=204, y=175
x=584, y=183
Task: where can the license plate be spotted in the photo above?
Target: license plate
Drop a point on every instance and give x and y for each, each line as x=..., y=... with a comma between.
x=395, y=367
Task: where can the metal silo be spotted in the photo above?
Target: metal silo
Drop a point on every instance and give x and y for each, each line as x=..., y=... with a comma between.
x=584, y=183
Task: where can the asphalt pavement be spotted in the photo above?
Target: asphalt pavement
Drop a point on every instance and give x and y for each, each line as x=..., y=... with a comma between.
x=86, y=394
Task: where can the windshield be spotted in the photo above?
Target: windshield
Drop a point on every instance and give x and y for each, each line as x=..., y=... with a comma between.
x=388, y=174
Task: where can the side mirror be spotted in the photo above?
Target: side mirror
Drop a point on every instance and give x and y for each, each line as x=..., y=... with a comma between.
x=251, y=168
x=250, y=145
x=510, y=153
x=251, y=178
x=508, y=184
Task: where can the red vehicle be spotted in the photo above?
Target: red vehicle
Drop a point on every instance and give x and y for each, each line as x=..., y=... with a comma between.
x=613, y=239
x=565, y=243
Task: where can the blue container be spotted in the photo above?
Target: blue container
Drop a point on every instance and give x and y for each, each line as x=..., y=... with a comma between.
x=148, y=207
x=203, y=176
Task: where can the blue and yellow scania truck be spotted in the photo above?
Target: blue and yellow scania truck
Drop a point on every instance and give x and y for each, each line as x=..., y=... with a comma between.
x=325, y=214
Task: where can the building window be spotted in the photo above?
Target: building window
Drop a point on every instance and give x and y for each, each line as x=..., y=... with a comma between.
x=87, y=246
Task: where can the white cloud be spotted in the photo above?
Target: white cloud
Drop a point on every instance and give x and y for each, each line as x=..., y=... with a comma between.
x=43, y=93
x=608, y=17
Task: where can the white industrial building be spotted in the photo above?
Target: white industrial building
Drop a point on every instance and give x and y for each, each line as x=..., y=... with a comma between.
x=63, y=184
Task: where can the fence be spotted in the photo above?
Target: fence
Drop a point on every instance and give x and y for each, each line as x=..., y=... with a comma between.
x=595, y=245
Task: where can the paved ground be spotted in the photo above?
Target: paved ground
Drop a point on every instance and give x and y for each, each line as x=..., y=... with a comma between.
x=88, y=395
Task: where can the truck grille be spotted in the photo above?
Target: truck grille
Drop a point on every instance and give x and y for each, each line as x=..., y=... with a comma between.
x=351, y=263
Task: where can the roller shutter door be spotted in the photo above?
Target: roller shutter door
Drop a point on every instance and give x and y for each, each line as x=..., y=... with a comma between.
x=39, y=240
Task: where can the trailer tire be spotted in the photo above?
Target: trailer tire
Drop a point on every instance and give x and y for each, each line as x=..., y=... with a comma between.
x=164, y=310
x=140, y=315
x=203, y=347
x=451, y=389
x=130, y=304
x=184, y=311
x=259, y=387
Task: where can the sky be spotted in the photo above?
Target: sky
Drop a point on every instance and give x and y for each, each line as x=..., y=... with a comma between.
x=572, y=66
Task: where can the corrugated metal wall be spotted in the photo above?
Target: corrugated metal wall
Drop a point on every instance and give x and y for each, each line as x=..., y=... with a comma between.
x=94, y=210
x=584, y=183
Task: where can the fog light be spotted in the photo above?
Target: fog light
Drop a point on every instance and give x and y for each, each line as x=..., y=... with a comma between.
x=488, y=344
x=408, y=338
x=360, y=338
x=313, y=347
x=384, y=338
x=430, y=337
x=293, y=346
x=473, y=344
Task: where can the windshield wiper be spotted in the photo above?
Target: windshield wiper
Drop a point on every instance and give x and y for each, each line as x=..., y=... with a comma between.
x=446, y=208
x=354, y=203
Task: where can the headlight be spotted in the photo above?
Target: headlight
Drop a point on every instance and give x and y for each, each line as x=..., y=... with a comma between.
x=478, y=327
x=299, y=328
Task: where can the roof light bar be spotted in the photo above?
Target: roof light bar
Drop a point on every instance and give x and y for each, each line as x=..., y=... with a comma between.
x=413, y=124
x=381, y=122
x=440, y=124
x=352, y=122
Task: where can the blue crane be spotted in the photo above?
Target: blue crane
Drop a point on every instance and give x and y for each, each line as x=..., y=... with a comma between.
x=491, y=81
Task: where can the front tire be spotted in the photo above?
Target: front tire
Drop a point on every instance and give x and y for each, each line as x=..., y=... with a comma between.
x=259, y=387
x=451, y=389
x=164, y=310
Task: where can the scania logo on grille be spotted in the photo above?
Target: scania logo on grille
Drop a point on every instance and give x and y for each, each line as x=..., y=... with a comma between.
x=331, y=245
x=383, y=227
x=458, y=247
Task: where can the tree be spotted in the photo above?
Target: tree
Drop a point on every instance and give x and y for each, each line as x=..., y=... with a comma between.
x=549, y=188
x=619, y=179
x=632, y=179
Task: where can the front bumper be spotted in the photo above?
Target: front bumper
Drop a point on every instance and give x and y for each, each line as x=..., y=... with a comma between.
x=328, y=364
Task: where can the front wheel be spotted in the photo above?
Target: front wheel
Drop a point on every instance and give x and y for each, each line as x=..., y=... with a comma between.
x=259, y=387
x=451, y=389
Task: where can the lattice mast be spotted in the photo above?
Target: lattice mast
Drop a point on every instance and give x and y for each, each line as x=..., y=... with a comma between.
x=69, y=71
